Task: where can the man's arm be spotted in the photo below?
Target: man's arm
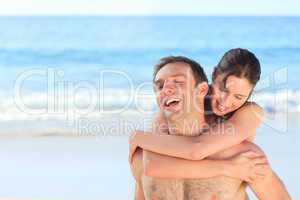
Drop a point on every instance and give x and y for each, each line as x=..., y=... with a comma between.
x=270, y=187
x=137, y=171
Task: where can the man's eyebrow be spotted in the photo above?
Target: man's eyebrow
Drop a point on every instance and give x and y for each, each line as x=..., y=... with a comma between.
x=175, y=75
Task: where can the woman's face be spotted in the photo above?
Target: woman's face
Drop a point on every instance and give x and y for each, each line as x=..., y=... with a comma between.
x=230, y=95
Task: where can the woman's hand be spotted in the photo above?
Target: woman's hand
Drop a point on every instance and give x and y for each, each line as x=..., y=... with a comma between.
x=249, y=166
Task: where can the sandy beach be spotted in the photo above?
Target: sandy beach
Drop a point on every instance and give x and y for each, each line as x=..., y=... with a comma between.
x=95, y=167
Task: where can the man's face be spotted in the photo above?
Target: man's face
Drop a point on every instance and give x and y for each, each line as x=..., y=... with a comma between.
x=175, y=89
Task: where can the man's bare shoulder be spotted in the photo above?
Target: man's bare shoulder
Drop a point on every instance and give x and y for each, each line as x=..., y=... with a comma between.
x=137, y=171
x=137, y=164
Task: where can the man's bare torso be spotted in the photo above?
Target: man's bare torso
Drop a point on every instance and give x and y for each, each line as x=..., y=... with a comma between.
x=217, y=188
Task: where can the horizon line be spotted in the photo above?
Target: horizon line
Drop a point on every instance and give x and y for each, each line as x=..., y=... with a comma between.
x=149, y=15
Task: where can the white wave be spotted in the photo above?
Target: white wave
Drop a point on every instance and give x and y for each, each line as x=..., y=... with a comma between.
x=279, y=101
x=117, y=103
x=37, y=105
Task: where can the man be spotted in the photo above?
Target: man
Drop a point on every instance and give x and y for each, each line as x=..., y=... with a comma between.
x=179, y=83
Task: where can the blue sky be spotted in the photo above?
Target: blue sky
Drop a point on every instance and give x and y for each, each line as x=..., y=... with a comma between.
x=147, y=7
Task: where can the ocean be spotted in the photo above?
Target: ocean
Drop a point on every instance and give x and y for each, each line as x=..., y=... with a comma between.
x=68, y=83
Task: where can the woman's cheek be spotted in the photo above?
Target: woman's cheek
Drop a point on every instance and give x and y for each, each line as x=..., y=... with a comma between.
x=237, y=105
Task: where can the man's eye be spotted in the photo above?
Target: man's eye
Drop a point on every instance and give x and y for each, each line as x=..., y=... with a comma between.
x=179, y=81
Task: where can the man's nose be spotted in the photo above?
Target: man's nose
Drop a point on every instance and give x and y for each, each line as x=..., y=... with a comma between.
x=169, y=88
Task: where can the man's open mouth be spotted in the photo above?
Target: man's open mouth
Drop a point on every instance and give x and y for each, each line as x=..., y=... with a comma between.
x=172, y=104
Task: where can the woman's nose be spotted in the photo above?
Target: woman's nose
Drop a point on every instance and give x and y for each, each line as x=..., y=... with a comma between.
x=223, y=96
x=227, y=101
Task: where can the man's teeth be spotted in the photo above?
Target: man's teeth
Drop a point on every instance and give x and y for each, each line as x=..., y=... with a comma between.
x=171, y=101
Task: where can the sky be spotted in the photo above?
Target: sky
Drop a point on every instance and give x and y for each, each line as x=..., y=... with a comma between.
x=150, y=7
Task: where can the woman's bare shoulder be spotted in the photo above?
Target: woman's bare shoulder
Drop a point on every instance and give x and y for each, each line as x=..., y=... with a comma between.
x=250, y=115
x=251, y=108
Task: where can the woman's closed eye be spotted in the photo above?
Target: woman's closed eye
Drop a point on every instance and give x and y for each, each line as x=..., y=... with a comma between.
x=238, y=97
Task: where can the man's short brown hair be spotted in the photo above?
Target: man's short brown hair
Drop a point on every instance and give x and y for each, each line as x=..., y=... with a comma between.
x=197, y=70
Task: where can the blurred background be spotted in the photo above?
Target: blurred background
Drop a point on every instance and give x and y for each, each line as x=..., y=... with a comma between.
x=76, y=78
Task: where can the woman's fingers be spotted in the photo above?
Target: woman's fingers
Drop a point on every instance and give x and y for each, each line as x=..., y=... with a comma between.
x=262, y=169
x=260, y=160
x=258, y=176
x=255, y=176
x=253, y=165
x=251, y=179
x=250, y=154
x=257, y=173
